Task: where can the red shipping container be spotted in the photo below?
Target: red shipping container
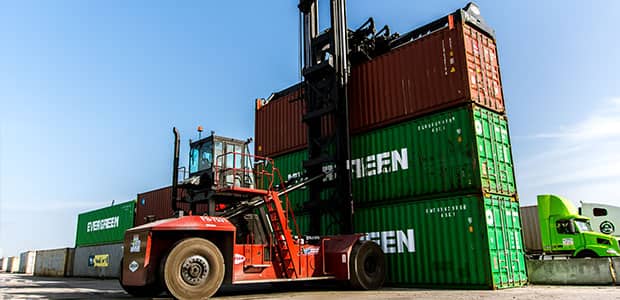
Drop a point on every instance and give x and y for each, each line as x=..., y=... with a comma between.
x=448, y=67
x=156, y=205
x=278, y=123
x=279, y=127
x=441, y=70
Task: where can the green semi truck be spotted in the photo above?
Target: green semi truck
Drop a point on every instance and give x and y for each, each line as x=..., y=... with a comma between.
x=554, y=227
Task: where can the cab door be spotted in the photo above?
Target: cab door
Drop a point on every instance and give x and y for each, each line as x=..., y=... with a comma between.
x=564, y=237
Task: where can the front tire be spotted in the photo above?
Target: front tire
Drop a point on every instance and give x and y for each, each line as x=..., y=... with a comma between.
x=367, y=266
x=194, y=269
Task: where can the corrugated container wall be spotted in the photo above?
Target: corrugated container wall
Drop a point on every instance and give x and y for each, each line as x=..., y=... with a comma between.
x=443, y=69
x=280, y=119
x=157, y=204
x=8, y=261
x=102, y=261
x=13, y=264
x=26, y=262
x=465, y=241
x=531, y=229
x=106, y=225
x=4, y=264
x=54, y=262
x=466, y=149
x=281, y=124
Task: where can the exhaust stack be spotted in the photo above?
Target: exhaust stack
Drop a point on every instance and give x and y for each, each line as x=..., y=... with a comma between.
x=175, y=169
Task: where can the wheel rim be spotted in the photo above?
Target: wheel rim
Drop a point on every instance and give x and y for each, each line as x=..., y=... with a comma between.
x=195, y=270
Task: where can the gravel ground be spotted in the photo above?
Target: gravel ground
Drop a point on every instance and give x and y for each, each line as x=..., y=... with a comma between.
x=19, y=286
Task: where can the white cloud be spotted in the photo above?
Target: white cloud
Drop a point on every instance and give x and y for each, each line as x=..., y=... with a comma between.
x=603, y=122
x=578, y=160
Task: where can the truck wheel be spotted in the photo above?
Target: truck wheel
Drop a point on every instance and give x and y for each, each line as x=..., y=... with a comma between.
x=194, y=269
x=586, y=254
x=150, y=290
x=367, y=266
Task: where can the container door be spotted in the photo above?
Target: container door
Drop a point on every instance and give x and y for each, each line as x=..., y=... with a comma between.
x=505, y=243
x=517, y=251
x=497, y=243
x=494, y=152
x=483, y=69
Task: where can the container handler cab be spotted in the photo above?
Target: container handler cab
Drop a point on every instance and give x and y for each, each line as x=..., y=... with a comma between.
x=244, y=238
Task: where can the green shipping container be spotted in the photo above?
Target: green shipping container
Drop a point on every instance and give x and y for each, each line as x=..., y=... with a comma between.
x=465, y=241
x=329, y=225
x=463, y=150
x=104, y=226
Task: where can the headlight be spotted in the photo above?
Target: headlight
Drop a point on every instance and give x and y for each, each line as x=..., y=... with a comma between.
x=612, y=252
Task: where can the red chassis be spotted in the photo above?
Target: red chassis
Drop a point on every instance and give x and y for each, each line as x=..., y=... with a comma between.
x=192, y=256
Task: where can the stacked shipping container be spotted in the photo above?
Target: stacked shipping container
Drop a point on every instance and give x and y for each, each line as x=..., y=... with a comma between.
x=99, y=239
x=27, y=261
x=432, y=170
x=54, y=262
x=13, y=264
x=4, y=262
x=157, y=204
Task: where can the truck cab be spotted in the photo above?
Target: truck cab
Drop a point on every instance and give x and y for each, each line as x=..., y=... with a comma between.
x=564, y=231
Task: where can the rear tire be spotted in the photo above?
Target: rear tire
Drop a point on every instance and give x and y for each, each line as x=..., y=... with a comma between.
x=194, y=269
x=367, y=266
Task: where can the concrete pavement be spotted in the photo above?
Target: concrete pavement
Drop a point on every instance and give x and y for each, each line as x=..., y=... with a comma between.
x=19, y=286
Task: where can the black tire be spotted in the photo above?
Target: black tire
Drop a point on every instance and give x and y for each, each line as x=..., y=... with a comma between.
x=586, y=254
x=367, y=266
x=150, y=290
x=194, y=269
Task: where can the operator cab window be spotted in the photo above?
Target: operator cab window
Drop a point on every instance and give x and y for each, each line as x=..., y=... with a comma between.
x=201, y=157
x=206, y=156
x=194, y=155
x=218, y=154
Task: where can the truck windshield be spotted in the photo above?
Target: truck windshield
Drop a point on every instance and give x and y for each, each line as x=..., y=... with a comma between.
x=201, y=157
x=583, y=225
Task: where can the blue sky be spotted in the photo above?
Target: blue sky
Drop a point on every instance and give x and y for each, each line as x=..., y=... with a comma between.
x=89, y=92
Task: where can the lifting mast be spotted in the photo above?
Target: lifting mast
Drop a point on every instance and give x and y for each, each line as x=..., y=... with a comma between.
x=326, y=72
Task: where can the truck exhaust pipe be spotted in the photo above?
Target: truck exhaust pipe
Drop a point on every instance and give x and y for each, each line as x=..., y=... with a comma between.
x=175, y=169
